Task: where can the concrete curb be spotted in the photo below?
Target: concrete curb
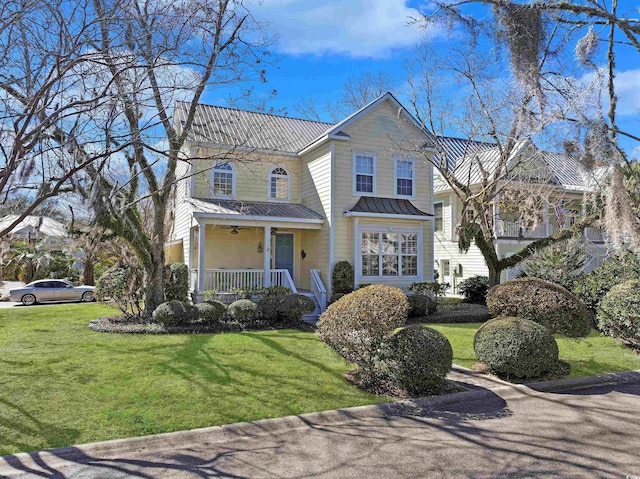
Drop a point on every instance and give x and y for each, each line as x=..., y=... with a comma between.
x=246, y=430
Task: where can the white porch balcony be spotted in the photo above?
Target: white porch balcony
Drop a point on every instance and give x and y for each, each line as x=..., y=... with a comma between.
x=515, y=230
x=228, y=280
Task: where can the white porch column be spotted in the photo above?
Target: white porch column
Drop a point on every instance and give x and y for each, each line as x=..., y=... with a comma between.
x=545, y=219
x=201, y=252
x=267, y=256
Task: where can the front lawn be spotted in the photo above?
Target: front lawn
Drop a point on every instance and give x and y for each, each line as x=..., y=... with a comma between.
x=63, y=384
x=595, y=354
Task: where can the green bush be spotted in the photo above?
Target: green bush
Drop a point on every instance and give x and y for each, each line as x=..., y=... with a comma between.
x=121, y=285
x=543, y=302
x=423, y=287
x=174, y=313
x=176, y=282
x=268, y=309
x=270, y=292
x=474, y=289
x=335, y=297
x=293, y=307
x=592, y=287
x=211, y=311
x=557, y=263
x=417, y=359
x=342, y=278
x=242, y=311
x=357, y=324
x=516, y=347
x=619, y=313
x=421, y=305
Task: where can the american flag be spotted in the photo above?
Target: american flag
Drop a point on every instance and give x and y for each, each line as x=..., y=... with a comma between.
x=560, y=215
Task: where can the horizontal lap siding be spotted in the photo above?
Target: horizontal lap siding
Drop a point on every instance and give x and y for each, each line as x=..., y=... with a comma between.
x=316, y=194
x=182, y=214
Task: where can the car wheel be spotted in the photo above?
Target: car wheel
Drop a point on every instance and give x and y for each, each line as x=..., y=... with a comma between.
x=88, y=296
x=28, y=299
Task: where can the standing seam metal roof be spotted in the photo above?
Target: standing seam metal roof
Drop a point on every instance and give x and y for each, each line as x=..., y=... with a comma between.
x=253, y=208
x=386, y=206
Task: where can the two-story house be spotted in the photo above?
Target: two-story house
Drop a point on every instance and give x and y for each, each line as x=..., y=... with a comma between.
x=558, y=179
x=271, y=200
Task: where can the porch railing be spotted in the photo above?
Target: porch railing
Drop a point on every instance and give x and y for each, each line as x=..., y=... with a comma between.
x=513, y=229
x=227, y=280
x=318, y=289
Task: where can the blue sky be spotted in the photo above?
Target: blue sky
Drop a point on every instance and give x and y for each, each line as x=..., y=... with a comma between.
x=322, y=44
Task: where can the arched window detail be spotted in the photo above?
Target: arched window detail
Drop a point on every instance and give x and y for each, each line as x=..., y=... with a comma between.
x=223, y=181
x=279, y=184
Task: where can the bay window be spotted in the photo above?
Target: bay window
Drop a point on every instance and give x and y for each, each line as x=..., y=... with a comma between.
x=388, y=254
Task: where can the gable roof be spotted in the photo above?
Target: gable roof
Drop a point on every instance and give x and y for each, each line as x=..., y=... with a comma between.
x=42, y=225
x=231, y=127
x=466, y=156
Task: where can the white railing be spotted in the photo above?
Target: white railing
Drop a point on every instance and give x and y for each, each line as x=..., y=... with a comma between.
x=193, y=279
x=287, y=280
x=227, y=280
x=513, y=229
x=594, y=234
x=318, y=289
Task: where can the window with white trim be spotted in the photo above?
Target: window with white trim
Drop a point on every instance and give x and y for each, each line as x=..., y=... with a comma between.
x=405, y=172
x=389, y=254
x=279, y=184
x=364, y=172
x=438, y=217
x=223, y=180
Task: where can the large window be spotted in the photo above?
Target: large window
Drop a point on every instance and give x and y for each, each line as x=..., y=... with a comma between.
x=389, y=254
x=405, y=170
x=279, y=184
x=223, y=181
x=364, y=173
x=437, y=217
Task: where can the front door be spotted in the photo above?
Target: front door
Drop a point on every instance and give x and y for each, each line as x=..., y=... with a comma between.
x=445, y=273
x=284, y=252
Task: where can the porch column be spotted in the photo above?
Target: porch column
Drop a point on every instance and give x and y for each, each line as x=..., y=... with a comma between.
x=267, y=256
x=545, y=216
x=201, y=253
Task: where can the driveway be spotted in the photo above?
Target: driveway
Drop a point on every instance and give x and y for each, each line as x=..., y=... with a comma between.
x=495, y=430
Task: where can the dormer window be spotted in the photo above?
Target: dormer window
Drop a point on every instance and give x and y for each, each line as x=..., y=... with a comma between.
x=223, y=181
x=279, y=184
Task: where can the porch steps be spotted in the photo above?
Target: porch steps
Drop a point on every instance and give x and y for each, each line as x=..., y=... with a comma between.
x=311, y=318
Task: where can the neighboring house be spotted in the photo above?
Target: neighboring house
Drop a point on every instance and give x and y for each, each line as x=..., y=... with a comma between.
x=36, y=228
x=272, y=200
x=565, y=184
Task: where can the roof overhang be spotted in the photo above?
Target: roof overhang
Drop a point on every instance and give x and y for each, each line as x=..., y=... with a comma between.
x=388, y=216
x=259, y=221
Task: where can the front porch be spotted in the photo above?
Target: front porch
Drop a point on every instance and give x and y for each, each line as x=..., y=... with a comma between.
x=228, y=280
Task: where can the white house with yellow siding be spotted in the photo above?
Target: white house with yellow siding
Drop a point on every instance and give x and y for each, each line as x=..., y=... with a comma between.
x=271, y=200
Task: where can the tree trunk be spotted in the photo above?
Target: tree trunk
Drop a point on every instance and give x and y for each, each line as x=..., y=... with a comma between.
x=154, y=287
x=87, y=272
x=494, y=276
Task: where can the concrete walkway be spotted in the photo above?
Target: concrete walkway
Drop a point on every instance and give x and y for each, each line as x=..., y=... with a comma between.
x=589, y=428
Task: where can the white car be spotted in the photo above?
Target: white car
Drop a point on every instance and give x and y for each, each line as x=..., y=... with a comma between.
x=51, y=290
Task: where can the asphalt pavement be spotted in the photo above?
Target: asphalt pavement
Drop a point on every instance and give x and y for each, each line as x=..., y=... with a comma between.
x=494, y=429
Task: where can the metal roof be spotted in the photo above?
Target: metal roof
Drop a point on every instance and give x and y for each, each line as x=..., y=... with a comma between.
x=231, y=127
x=42, y=225
x=252, y=209
x=385, y=206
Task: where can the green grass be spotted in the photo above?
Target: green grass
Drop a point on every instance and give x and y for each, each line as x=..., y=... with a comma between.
x=595, y=354
x=62, y=384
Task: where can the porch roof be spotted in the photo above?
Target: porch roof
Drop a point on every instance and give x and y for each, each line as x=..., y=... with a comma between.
x=386, y=207
x=253, y=211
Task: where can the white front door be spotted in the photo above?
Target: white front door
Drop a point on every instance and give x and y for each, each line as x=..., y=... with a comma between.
x=445, y=272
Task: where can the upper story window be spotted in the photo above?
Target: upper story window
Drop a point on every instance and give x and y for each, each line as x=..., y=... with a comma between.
x=364, y=173
x=405, y=175
x=279, y=184
x=223, y=181
x=438, y=217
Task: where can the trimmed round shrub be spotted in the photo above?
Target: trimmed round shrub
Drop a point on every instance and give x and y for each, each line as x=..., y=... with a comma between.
x=619, y=313
x=268, y=308
x=474, y=290
x=543, y=302
x=417, y=359
x=342, y=278
x=174, y=313
x=335, y=297
x=293, y=306
x=421, y=305
x=357, y=324
x=176, y=282
x=242, y=311
x=211, y=311
x=516, y=347
x=121, y=285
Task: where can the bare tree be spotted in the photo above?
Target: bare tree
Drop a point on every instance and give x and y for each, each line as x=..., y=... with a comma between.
x=355, y=93
x=501, y=168
x=598, y=32
x=139, y=58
